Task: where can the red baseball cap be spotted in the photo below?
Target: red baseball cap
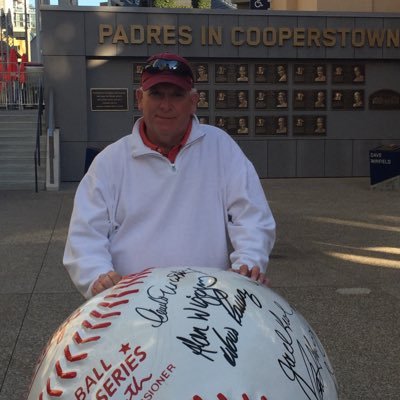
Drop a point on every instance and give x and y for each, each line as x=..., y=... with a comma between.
x=167, y=68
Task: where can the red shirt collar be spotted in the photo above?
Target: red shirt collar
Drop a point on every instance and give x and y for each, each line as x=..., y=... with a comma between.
x=171, y=154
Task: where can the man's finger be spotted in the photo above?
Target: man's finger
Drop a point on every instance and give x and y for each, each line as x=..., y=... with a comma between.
x=244, y=270
x=255, y=273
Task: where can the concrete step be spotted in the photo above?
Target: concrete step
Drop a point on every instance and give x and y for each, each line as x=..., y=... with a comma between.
x=18, y=113
x=23, y=185
x=17, y=148
x=17, y=127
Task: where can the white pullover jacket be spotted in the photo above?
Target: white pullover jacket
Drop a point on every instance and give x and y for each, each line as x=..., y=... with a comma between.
x=134, y=209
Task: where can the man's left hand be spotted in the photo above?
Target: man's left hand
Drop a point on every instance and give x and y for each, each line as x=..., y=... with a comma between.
x=254, y=273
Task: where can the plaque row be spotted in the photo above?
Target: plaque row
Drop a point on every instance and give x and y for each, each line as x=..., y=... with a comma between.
x=272, y=73
x=278, y=99
x=269, y=125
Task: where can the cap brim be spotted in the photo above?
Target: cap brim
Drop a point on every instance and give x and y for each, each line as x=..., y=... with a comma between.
x=151, y=80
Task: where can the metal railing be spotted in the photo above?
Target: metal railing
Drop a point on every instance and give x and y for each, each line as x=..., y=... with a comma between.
x=20, y=85
x=38, y=134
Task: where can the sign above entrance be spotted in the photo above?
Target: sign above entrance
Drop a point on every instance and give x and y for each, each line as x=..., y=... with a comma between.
x=253, y=36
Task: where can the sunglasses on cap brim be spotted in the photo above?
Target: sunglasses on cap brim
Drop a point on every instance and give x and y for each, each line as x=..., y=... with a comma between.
x=161, y=65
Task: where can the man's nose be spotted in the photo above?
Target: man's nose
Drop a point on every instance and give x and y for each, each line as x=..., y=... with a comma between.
x=165, y=102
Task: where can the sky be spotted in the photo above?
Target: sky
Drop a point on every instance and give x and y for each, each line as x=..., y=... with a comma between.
x=82, y=2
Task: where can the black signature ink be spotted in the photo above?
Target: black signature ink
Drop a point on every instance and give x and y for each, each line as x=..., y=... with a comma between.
x=197, y=314
x=160, y=296
x=198, y=342
x=230, y=349
x=206, y=295
x=312, y=385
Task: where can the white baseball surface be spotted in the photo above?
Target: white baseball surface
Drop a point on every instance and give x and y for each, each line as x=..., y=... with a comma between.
x=185, y=334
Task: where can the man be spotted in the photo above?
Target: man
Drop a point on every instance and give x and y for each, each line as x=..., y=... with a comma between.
x=320, y=100
x=242, y=129
x=202, y=75
x=282, y=77
x=281, y=101
x=281, y=128
x=320, y=74
x=320, y=125
x=202, y=103
x=172, y=193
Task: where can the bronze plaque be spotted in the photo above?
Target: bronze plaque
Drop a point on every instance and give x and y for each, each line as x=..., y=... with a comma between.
x=309, y=99
x=348, y=73
x=280, y=126
x=309, y=73
x=314, y=125
x=233, y=125
x=242, y=73
x=201, y=72
x=221, y=122
x=347, y=100
x=203, y=119
x=260, y=125
x=271, y=125
x=137, y=72
x=231, y=73
x=271, y=99
x=203, y=99
x=261, y=73
x=233, y=99
x=384, y=100
x=271, y=73
x=109, y=99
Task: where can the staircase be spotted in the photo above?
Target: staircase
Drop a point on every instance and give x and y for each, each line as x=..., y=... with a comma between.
x=17, y=148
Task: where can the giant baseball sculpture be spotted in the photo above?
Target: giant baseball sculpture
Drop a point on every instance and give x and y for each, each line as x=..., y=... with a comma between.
x=184, y=334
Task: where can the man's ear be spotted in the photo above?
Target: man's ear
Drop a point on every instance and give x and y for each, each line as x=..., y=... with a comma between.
x=139, y=98
x=194, y=97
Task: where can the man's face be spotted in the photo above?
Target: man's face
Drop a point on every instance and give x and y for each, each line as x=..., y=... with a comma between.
x=167, y=110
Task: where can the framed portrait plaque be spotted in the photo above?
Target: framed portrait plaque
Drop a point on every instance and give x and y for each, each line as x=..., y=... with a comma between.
x=201, y=72
x=231, y=99
x=203, y=99
x=233, y=125
x=348, y=100
x=309, y=73
x=348, y=74
x=309, y=125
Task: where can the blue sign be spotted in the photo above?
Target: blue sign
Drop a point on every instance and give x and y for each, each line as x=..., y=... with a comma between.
x=259, y=4
x=384, y=163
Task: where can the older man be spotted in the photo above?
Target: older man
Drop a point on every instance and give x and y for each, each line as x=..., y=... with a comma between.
x=172, y=193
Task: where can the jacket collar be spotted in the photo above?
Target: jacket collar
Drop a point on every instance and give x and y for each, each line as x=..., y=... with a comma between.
x=139, y=148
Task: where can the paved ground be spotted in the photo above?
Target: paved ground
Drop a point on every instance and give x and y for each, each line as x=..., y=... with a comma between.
x=337, y=260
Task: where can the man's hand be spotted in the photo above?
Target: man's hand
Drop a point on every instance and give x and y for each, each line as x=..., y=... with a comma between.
x=105, y=281
x=254, y=273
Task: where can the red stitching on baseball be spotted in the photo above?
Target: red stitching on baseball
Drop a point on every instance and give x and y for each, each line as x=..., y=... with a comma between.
x=62, y=374
x=220, y=396
x=96, y=314
x=129, y=284
x=121, y=294
x=88, y=325
x=78, y=338
x=53, y=392
x=72, y=358
x=112, y=305
x=133, y=278
x=125, y=283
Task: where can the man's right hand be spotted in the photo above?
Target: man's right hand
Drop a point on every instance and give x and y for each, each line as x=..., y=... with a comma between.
x=105, y=281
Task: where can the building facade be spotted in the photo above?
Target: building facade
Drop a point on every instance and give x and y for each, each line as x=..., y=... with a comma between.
x=304, y=94
x=337, y=5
